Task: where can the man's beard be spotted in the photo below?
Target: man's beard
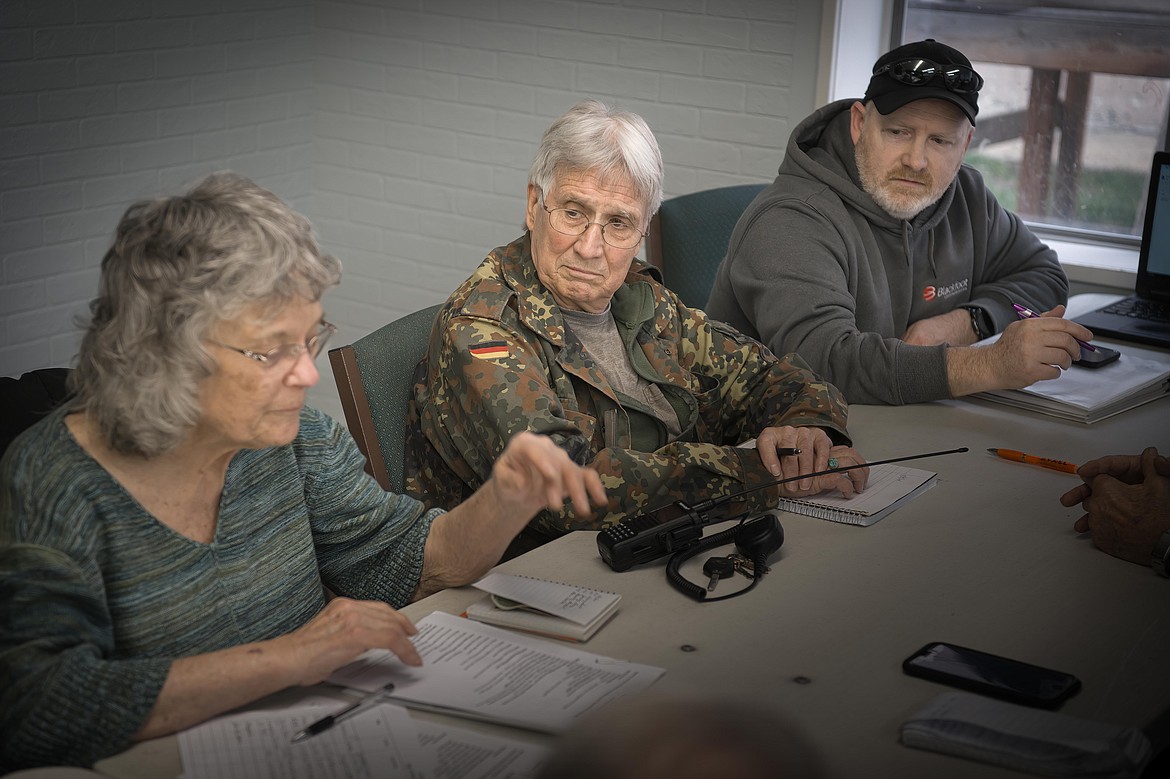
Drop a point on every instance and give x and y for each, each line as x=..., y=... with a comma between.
x=882, y=190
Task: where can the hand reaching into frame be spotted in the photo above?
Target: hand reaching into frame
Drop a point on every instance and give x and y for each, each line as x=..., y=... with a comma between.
x=1126, y=499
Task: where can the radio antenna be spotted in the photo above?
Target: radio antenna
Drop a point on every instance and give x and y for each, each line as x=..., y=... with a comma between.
x=712, y=503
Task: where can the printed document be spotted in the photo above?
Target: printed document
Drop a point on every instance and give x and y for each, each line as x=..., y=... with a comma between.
x=475, y=670
x=383, y=741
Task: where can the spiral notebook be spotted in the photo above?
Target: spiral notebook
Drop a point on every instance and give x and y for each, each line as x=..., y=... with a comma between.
x=889, y=487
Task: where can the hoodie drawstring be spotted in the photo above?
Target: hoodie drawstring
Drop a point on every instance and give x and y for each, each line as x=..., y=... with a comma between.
x=929, y=247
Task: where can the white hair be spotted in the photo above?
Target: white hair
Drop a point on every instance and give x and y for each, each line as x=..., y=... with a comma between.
x=592, y=137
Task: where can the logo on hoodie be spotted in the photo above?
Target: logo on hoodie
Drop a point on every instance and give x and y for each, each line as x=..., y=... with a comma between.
x=931, y=292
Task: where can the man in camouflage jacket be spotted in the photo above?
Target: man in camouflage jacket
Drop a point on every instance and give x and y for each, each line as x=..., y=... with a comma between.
x=502, y=360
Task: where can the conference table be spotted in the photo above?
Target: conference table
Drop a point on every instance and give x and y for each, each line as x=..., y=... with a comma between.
x=987, y=558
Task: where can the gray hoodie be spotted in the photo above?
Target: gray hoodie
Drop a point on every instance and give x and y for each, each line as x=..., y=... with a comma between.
x=816, y=267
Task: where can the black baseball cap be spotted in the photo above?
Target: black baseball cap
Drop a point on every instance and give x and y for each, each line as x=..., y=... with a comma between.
x=904, y=74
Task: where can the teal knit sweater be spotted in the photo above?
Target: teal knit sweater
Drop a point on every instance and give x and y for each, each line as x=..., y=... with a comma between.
x=97, y=597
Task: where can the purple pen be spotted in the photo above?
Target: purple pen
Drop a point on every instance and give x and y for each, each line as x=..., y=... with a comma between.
x=1027, y=313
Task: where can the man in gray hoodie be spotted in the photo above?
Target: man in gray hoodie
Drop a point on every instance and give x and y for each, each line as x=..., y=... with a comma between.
x=879, y=257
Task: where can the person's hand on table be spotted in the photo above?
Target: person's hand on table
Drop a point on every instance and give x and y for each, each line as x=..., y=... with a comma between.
x=1028, y=351
x=815, y=451
x=1032, y=350
x=1126, y=499
x=342, y=630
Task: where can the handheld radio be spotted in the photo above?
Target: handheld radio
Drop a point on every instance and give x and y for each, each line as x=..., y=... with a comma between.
x=644, y=538
x=652, y=534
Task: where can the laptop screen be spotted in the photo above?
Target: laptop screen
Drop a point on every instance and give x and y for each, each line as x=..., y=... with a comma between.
x=1159, y=261
x=1154, y=266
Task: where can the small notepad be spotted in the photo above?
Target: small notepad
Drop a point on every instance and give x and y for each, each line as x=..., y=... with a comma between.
x=549, y=608
x=889, y=487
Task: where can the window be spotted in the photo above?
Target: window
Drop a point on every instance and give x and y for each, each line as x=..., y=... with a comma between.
x=1077, y=99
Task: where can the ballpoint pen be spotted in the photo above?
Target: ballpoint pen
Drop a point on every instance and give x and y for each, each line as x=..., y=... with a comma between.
x=1027, y=313
x=358, y=706
x=1044, y=462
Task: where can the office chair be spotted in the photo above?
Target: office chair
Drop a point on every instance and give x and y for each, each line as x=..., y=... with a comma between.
x=374, y=378
x=27, y=399
x=689, y=234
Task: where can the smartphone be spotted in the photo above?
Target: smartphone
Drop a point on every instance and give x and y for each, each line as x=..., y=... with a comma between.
x=989, y=674
x=1103, y=356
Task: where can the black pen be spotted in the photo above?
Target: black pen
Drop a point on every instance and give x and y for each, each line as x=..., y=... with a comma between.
x=786, y=451
x=323, y=724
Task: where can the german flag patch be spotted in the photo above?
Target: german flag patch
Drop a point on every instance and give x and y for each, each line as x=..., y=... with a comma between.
x=490, y=350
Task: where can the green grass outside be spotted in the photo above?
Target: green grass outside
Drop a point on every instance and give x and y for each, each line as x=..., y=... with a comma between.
x=1106, y=199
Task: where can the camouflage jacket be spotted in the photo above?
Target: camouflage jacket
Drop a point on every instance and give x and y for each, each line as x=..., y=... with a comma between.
x=501, y=361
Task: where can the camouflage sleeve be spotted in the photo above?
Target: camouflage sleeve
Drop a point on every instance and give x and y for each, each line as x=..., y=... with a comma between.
x=757, y=389
x=752, y=390
x=492, y=384
x=496, y=383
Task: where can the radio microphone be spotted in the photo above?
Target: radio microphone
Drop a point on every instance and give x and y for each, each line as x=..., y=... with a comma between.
x=647, y=536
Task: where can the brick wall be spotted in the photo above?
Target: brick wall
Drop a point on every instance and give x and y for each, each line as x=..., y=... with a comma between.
x=405, y=135
x=428, y=119
x=103, y=102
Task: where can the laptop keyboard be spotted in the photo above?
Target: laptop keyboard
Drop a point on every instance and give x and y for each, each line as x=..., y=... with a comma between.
x=1138, y=308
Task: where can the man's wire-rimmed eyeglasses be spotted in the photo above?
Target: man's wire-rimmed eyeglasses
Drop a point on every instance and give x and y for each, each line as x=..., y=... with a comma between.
x=290, y=352
x=616, y=232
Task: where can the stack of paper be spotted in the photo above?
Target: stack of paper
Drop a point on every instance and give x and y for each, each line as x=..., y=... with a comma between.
x=481, y=672
x=469, y=670
x=1091, y=394
x=384, y=741
x=553, y=609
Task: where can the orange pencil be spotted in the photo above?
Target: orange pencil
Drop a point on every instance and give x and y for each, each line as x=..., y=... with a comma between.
x=1044, y=462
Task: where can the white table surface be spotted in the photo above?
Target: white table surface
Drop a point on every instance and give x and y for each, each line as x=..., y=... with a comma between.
x=987, y=559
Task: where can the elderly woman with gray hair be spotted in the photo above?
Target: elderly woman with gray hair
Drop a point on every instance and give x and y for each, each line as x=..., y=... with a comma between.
x=170, y=540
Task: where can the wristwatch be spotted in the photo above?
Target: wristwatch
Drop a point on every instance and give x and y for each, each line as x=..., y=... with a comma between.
x=977, y=323
x=1161, y=559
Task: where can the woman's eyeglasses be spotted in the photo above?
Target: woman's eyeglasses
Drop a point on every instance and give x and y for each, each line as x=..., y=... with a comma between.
x=287, y=352
x=959, y=79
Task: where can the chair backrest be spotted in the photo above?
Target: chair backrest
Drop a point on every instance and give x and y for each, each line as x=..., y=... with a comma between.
x=374, y=378
x=25, y=400
x=689, y=234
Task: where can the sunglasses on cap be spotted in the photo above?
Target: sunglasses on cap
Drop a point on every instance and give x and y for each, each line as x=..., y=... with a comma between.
x=959, y=79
